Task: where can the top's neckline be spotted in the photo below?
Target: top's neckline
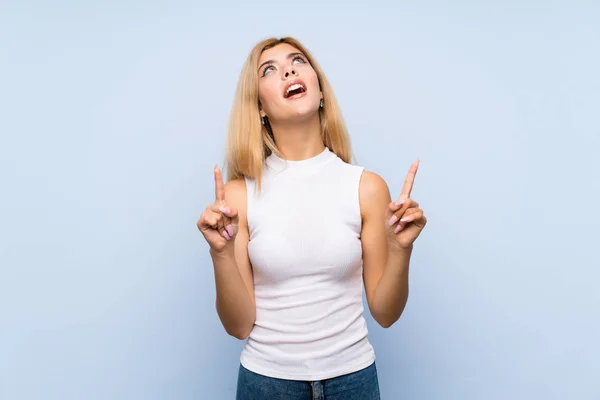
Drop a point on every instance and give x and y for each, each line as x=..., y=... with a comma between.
x=279, y=163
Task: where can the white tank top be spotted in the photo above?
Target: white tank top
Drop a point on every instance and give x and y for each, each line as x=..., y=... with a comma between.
x=306, y=256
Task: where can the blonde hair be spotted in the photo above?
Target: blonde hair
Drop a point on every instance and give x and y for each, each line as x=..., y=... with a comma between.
x=249, y=142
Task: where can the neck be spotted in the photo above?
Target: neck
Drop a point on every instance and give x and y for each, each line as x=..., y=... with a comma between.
x=299, y=140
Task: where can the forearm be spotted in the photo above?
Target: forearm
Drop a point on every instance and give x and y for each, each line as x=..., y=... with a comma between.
x=391, y=293
x=235, y=307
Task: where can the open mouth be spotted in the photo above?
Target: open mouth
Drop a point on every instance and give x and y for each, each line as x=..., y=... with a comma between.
x=294, y=88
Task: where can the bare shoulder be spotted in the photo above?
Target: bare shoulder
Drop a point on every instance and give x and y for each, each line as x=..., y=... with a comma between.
x=371, y=184
x=373, y=193
x=235, y=193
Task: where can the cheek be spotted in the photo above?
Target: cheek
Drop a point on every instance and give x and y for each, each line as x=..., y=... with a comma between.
x=313, y=81
x=266, y=95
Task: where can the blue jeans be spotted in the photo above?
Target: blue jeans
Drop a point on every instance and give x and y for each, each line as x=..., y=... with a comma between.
x=359, y=385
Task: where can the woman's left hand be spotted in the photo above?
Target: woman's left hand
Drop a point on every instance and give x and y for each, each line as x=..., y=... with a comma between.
x=405, y=220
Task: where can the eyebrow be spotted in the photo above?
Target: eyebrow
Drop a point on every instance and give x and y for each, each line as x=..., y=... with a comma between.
x=291, y=55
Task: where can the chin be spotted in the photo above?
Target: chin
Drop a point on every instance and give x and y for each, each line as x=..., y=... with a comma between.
x=304, y=116
x=298, y=111
x=304, y=111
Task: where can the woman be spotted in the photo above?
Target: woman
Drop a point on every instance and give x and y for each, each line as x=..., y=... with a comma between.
x=296, y=232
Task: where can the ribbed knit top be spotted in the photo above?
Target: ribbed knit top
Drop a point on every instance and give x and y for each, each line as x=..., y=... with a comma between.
x=306, y=257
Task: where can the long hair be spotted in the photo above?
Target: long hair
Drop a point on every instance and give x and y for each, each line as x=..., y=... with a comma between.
x=249, y=141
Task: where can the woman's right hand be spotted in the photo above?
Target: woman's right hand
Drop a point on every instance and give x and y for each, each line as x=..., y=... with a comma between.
x=219, y=223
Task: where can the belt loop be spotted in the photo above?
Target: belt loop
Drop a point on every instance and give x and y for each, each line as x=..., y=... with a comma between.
x=317, y=390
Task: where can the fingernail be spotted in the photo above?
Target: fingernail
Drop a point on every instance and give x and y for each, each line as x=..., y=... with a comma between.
x=400, y=202
x=225, y=235
x=224, y=210
x=406, y=219
x=229, y=229
x=393, y=220
x=398, y=229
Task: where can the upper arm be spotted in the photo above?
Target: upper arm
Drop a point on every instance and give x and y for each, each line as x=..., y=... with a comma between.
x=235, y=196
x=374, y=198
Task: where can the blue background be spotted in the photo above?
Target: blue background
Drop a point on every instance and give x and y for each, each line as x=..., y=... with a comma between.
x=112, y=115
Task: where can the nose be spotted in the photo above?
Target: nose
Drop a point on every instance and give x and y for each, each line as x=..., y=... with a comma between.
x=290, y=72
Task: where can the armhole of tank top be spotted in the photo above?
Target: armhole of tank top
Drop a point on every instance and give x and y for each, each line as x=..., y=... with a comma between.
x=249, y=198
x=359, y=173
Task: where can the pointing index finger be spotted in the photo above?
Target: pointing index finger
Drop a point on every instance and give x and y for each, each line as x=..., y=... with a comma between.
x=410, y=180
x=219, y=186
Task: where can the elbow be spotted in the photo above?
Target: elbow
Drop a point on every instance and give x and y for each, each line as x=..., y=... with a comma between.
x=386, y=322
x=387, y=319
x=240, y=333
x=384, y=319
x=387, y=315
x=238, y=326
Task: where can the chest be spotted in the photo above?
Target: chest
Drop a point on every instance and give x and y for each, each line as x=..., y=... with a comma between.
x=298, y=231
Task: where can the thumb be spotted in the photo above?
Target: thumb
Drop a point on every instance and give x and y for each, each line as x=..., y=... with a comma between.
x=234, y=226
x=231, y=213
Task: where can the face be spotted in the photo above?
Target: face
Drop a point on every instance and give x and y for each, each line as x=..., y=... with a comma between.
x=288, y=87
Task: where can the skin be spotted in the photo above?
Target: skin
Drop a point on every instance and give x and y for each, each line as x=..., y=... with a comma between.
x=389, y=228
x=223, y=224
x=295, y=122
x=388, y=232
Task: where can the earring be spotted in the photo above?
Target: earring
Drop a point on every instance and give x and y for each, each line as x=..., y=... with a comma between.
x=262, y=120
x=322, y=103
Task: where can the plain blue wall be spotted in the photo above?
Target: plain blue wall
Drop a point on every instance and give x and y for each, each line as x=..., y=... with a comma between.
x=112, y=115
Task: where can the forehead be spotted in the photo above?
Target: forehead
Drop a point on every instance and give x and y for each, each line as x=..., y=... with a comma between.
x=277, y=53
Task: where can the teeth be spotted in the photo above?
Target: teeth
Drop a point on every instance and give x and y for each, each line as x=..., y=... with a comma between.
x=294, y=87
